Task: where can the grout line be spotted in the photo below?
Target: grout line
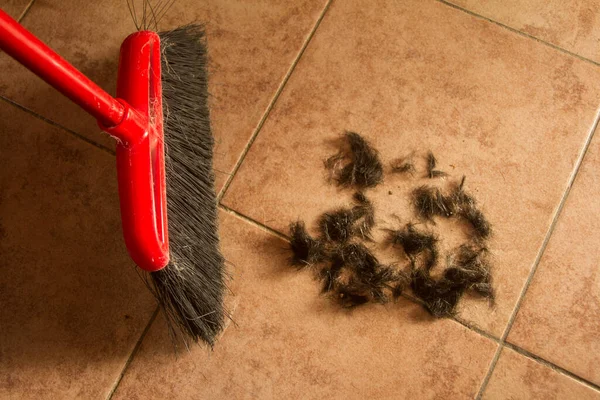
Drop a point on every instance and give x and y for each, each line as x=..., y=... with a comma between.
x=254, y=222
x=502, y=340
x=551, y=365
x=49, y=121
x=488, y=374
x=405, y=295
x=25, y=11
x=133, y=353
x=476, y=329
x=408, y=297
x=501, y=343
x=514, y=30
x=272, y=104
x=538, y=258
x=557, y=214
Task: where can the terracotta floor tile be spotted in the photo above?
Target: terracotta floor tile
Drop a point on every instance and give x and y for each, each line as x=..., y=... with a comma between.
x=14, y=8
x=506, y=111
x=72, y=305
x=519, y=377
x=560, y=315
x=252, y=44
x=571, y=25
x=289, y=343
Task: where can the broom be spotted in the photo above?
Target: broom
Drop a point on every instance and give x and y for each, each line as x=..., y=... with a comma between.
x=164, y=153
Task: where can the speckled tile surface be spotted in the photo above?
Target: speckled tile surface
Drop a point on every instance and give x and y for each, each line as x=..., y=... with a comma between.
x=560, y=315
x=287, y=342
x=510, y=114
x=571, y=25
x=72, y=305
x=519, y=377
x=14, y=8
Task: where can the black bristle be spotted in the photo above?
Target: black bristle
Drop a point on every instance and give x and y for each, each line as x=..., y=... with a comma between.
x=305, y=249
x=191, y=287
x=364, y=168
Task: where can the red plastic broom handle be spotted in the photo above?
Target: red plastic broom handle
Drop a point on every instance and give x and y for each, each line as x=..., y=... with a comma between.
x=24, y=47
x=135, y=119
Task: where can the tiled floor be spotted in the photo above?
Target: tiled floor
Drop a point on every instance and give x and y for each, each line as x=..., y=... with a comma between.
x=506, y=93
x=15, y=8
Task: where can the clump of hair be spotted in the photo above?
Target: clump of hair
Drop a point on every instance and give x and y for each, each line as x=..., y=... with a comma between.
x=344, y=223
x=482, y=229
x=383, y=282
x=334, y=164
x=412, y=241
x=351, y=294
x=465, y=207
x=329, y=275
x=467, y=270
x=338, y=225
x=439, y=296
x=364, y=211
x=403, y=166
x=417, y=245
x=306, y=250
x=429, y=202
x=352, y=275
x=470, y=269
x=364, y=168
x=357, y=257
x=366, y=280
x=431, y=164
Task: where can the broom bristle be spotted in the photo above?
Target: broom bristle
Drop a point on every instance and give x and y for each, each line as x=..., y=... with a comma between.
x=191, y=287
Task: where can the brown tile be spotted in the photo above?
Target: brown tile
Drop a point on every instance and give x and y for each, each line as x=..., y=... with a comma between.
x=560, y=315
x=506, y=111
x=14, y=8
x=252, y=44
x=286, y=342
x=73, y=306
x=518, y=377
x=573, y=26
